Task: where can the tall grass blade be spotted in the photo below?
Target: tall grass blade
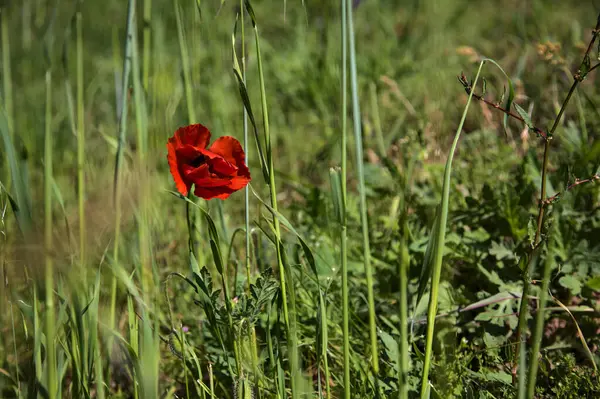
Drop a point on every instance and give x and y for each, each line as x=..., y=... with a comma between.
x=147, y=30
x=50, y=366
x=185, y=64
x=284, y=272
x=361, y=188
x=141, y=117
x=438, y=237
x=6, y=67
x=342, y=197
x=117, y=183
x=539, y=320
x=80, y=138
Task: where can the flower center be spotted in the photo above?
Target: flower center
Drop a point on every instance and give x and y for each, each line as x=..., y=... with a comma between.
x=198, y=161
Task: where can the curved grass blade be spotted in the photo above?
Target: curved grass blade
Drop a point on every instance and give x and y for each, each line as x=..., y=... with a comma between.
x=511, y=91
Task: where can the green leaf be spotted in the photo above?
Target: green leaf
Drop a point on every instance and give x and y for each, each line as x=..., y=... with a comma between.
x=390, y=345
x=594, y=283
x=531, y=230
x=525, y=116
x=493, y=341
x=571, y=283
x=305, y=247
x=585, y=66
x=500, y=252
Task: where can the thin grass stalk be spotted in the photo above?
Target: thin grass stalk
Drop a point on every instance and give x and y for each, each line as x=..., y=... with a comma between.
x=344, y=217
x=119, y=160
x=147, y=23
x=190, y=227
x=15, y=351
x=404, y=261
x=403, y=312
x=185, y=64
x=193, y=215
x=4, y=297
x=132, y=324
x=5, y=290
x=362, y=191
x=80, y=139
x=99, y=380
x=246, y=148
x=6, y=69
x=289, y=317
x=272, y=363
x=183, y=361
x=179, y=334
x=211, y=381
x=141, y=117
x=51, y=372
x=539, y=322
x=527, y=273
x=440, y=232
x=149, y=359
x=37, y=335
x=253, y=342
x=7, y=81
x=94, y=344
x=26, y=24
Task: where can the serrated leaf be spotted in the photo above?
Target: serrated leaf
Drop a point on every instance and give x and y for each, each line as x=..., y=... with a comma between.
x=500, y=252
x=500, y=376
x=493, y=341
x=525, y=116
x=571, y=283
x=531, y=230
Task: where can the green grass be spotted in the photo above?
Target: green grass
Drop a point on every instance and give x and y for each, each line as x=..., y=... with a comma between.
x=391, y=243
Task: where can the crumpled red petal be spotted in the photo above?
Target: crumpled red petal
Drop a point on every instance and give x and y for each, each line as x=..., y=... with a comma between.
x=196, y=135
x=231, y=149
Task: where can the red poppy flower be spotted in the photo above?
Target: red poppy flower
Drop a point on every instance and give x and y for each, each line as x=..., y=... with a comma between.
x=216, y=172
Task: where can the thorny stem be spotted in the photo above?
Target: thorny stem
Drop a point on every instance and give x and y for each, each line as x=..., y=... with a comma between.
x=577, y=78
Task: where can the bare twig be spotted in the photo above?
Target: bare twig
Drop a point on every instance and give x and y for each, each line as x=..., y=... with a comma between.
x=577, y=182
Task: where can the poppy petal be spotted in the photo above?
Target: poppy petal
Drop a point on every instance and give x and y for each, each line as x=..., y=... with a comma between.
x=239, y=182
x=222, y=192
x=182, y=187
x=192, y=173
x=230, y=149
x=222, y=167
x=187, y=153
x=196, y=135
x=212, y=182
